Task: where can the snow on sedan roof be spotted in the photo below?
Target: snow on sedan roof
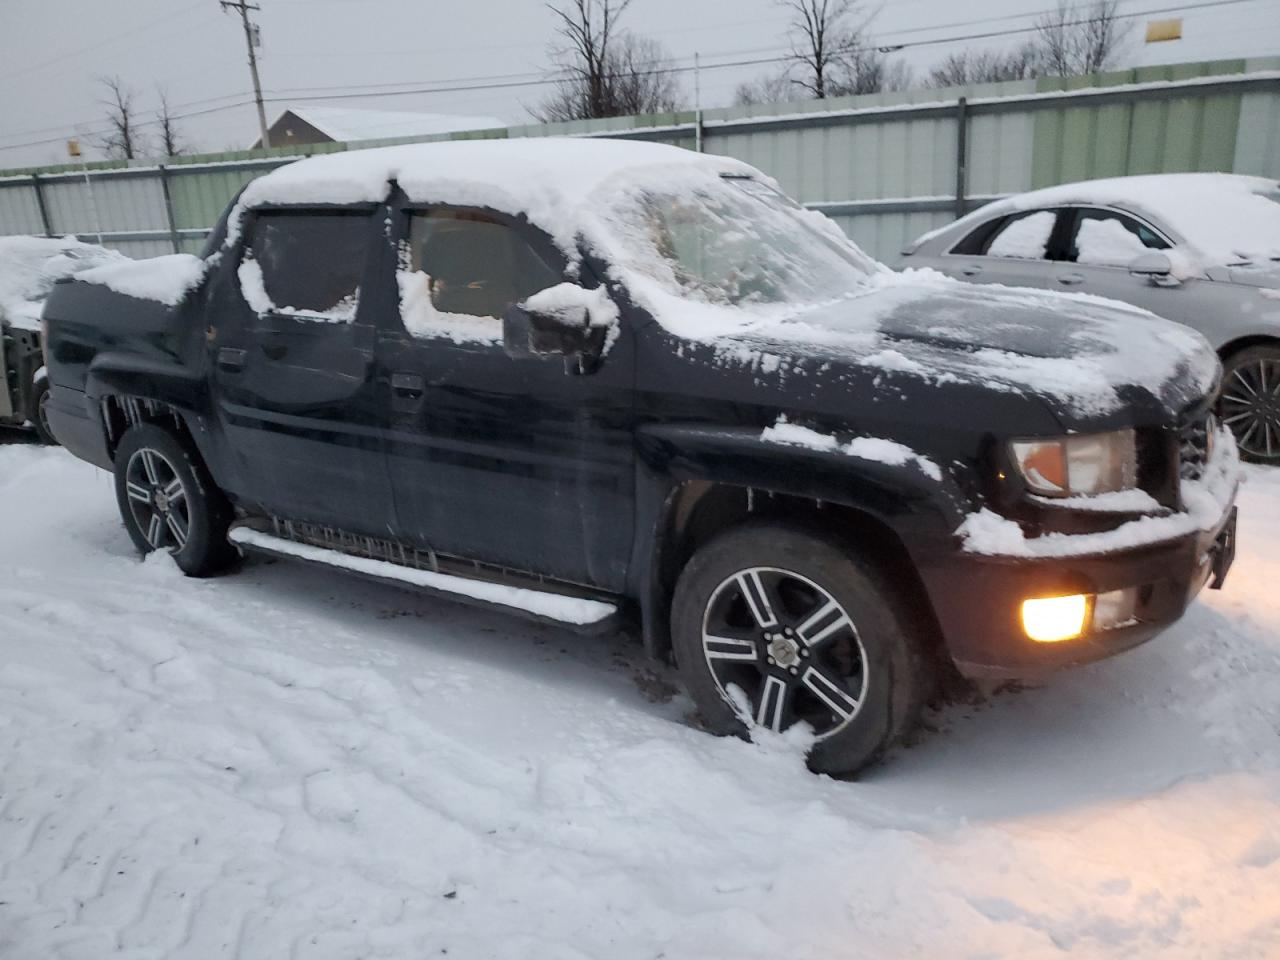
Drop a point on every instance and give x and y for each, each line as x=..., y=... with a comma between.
x=546, y=179
x=1226, y=218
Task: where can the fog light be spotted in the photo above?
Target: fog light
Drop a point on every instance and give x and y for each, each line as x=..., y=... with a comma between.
x=1115, y=608
x=1051, y=619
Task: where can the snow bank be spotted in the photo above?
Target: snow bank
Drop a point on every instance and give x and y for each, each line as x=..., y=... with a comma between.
x=875, y=449
x=29, y=267
x=166, y=279
x=1204, y=501
x=290, y=761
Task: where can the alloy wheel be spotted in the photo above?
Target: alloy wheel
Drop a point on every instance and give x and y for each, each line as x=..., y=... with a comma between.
x=1250, y=406
x=783, y=650
x=158, y=500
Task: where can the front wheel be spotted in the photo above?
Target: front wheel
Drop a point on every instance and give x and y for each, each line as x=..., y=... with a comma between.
x=772, y=627
x=169, y=502
x=1250, y=402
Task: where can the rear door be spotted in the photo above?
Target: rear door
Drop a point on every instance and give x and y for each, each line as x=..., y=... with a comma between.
x=294, y=368
x=515, y=462
x=1015, y=251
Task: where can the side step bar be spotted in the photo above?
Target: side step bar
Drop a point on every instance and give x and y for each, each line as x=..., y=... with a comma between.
x=579, y=612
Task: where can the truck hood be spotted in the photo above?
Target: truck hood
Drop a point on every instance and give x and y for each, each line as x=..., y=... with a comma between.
x=1086, y=356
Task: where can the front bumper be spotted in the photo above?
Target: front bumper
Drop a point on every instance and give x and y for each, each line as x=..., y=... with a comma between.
x=1165, y=556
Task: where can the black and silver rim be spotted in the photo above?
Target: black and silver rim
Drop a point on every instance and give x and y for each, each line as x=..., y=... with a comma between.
x=782, y=650
x=1250, y=406
x=157, y=500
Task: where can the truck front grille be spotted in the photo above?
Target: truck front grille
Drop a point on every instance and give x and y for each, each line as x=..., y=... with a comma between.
x=1194, y=445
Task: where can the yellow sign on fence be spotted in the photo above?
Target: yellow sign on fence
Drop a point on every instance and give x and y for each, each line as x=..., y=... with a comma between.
x=1159, y=31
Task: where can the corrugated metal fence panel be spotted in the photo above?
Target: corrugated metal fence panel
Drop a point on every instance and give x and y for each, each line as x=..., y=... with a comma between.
x=200, y=195
x=1258, y=139
x=141, y=248
x=19, y=208
x=123, y=204
x=883, y=235
x=1168, y=134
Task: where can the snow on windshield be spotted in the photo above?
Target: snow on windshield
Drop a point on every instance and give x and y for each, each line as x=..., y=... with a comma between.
x=735, y=241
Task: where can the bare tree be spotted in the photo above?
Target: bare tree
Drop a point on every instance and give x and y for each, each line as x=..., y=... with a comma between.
x=122, y=139
x=773, y=88
x=171, y=142
x=866, y=70
x=1072, y=41
x=986, y=66
x=825, y=37
x=608, y=72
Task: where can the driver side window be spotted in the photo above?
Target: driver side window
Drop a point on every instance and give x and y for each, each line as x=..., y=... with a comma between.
x=461, y=270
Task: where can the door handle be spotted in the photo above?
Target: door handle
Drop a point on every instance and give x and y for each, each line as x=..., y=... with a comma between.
x=1070, y=279
x=231, y=359
x=972, y=270
x=407, y=392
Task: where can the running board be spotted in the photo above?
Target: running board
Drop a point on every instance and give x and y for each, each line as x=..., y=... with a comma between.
x=579, y=612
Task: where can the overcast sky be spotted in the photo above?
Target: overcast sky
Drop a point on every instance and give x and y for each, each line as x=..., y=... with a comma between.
x=51, y=53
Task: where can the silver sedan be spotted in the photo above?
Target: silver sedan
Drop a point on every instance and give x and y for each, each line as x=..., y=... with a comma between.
x=1202, y=249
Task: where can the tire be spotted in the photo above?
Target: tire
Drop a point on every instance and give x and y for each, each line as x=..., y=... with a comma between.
x=168, y=501
x=1249, y=403
x=857, y=673
x=40, y=413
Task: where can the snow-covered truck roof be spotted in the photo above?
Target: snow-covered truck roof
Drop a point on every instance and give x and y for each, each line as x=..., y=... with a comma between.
x=549, y=179
x=1226, y=218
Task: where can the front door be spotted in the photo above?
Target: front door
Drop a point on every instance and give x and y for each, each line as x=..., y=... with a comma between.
x=1016, y=254
x=293, y=354
x=517, y=462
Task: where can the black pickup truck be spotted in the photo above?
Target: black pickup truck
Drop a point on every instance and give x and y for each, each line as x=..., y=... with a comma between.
x=593, y=381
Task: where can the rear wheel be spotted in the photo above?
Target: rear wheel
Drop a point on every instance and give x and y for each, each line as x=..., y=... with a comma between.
x=168, y=501
x=773, y=626
x=1250, y=402
x=40, y=413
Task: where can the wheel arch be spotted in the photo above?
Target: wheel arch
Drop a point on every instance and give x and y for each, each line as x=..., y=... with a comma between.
x=1232, y=347
x=698, y=511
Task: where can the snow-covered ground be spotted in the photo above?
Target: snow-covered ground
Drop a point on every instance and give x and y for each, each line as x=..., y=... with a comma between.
x=288, y=762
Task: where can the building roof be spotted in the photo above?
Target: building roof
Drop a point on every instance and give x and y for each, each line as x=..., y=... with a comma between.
x=345, y=124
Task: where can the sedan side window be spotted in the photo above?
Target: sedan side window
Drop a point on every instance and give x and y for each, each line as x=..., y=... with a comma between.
x=460, y=271
x=1107, y=238
x=1024, y=237
x=307, y=263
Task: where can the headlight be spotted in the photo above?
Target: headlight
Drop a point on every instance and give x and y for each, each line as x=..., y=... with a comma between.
x=1078, y=466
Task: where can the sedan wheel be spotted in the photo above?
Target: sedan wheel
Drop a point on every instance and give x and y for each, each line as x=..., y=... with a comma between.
x=1250, y=403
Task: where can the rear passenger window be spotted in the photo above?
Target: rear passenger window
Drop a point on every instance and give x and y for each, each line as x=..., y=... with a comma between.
x=1024, y=237
x=305, y=263
x=461, y=270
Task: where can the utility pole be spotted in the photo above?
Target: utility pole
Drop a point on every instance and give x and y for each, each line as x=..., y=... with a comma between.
x=251, y=42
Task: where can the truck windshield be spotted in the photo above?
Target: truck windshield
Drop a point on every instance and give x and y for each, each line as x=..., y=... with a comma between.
x=736, y=241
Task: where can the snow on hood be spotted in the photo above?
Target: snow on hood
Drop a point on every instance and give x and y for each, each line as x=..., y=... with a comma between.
x=29, y=267
x=547, y=179
x=1077, y=350
x=1223, y=218
x=164, y=279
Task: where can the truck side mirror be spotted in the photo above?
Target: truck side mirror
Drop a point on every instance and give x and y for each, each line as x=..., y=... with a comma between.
x=557, y=322
x=1156, y=267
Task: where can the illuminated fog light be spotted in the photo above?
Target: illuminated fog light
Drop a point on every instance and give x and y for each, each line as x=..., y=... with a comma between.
x=1114, y=608
x=1052, y=619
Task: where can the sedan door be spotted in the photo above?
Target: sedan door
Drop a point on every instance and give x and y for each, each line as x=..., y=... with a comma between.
x=1015, y=250
x=523, y=463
